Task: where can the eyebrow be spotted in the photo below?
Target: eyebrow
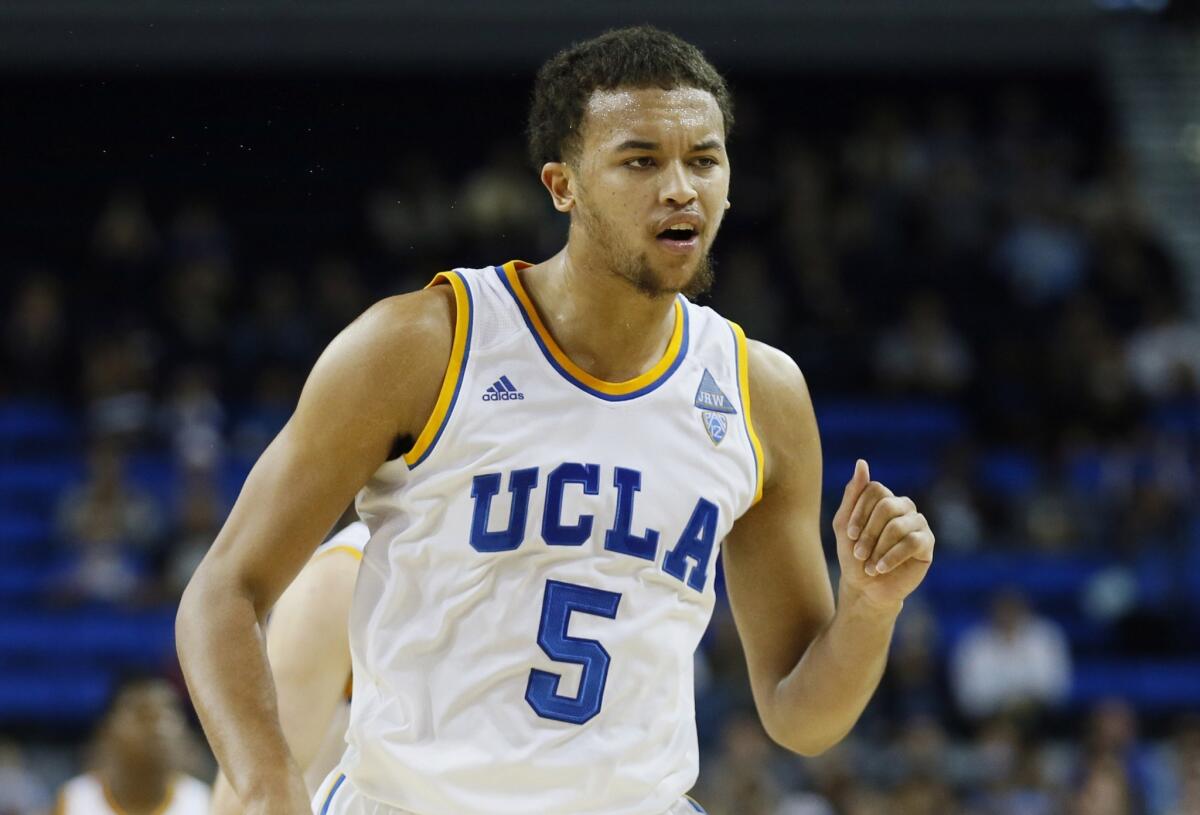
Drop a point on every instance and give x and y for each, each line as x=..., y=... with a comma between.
x=637, y=144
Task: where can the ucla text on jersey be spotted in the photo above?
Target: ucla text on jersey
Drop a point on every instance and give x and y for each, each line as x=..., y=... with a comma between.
x=540, y=571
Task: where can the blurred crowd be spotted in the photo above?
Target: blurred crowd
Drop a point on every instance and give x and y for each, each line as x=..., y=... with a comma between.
x=984, y=249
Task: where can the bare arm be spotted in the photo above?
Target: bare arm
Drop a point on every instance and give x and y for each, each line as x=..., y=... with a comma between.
x=308, y=646
x=813, y=668
x=375, y=383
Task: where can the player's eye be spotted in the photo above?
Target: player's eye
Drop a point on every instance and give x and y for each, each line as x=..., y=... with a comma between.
x=705, y=162
x=641, y=162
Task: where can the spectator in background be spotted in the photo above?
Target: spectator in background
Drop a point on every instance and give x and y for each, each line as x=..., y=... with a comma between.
x=1013, y=662
x=198, y=521
x=38, y=357
x=914, y=686
x=1104, y=790
x=193, y=417
x=21, y=791
x=742, y=782
x=126, y=248
x=118, y=373
x=953, y=502
x=109, y=527
x=1183, y=772
x=1164, y=355
x=924, y=354
x=139, y=749
x=124, y=237
x=1112, y=747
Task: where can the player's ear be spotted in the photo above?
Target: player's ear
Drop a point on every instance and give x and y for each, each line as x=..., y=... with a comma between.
x=556, y=177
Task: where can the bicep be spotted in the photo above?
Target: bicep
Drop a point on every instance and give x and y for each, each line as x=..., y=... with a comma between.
x=377, y=381
x=775, y=570
x=308, y=648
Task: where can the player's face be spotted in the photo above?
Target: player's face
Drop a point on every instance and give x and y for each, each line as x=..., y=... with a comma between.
x=651, y=159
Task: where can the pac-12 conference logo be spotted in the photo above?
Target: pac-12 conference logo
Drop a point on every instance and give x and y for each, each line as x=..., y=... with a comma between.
x=714, y=406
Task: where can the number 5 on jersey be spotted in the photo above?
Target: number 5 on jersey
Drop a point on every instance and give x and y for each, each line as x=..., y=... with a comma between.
x=561, y=599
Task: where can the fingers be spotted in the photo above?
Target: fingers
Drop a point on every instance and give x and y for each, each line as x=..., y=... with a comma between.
x=886, y=508
x=854, y=488
x=897, y=528
x=916, y=545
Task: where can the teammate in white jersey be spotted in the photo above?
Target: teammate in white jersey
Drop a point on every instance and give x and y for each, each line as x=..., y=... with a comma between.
x=548, y=458
x=136, y=758
x=309, y=650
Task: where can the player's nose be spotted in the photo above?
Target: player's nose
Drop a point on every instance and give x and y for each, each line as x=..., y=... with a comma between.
x=677, y=188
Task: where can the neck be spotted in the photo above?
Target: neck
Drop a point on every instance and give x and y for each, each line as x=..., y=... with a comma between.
x=136, y=792
x=600, y=320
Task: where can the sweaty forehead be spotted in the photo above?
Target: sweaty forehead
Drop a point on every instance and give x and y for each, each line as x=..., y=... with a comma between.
x=651, y=113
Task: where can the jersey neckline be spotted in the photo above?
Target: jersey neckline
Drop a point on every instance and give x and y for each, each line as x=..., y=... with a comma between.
x=558, y=359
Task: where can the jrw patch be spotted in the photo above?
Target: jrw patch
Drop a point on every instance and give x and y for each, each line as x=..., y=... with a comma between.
x=713, y=404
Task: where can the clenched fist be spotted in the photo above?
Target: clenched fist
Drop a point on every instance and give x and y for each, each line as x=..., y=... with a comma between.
x=884, y=545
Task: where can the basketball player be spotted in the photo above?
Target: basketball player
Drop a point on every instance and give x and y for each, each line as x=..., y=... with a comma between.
x=308, y=647
x=136, y=760
x=548, y=458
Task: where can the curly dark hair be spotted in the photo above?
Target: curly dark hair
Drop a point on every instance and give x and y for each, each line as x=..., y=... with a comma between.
x=638, y=57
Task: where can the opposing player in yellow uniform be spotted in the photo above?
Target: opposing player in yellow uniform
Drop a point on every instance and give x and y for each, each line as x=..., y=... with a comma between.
x=577, y=443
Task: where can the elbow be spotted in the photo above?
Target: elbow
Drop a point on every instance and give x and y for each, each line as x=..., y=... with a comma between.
x=189, y=612
x=201, y=604
x=803, y=738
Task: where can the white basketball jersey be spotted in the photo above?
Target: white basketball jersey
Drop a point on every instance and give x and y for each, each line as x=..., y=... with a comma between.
x=541, y=568
x=87, y=795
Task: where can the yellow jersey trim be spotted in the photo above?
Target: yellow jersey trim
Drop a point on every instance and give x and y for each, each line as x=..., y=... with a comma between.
x=743, y=366
x=663, y=367
x=349, y=550
x=454, y=369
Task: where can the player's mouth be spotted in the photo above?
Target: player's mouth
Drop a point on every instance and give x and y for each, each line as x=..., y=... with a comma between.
x=681, y=237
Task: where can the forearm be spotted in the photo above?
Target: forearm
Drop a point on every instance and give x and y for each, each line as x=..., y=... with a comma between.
x=815, y=706
x=224, y=662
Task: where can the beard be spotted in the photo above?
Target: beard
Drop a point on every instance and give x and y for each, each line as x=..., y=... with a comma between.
x=635, y=268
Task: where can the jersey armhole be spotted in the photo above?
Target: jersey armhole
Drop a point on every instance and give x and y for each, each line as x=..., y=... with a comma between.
x=451, y=382
x=743, y=376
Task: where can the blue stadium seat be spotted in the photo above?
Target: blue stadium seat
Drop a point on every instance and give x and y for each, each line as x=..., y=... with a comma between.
x=109, y=635
x=41, y=478
x=25, y=420
x=1008, y=473
x=53, y=696
x=1157, y=685
x=24, y=532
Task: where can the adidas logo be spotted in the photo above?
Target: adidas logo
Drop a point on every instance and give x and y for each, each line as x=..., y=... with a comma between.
x=502, y=391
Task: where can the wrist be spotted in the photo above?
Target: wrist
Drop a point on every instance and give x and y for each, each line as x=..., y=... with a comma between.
x=853, y=600
x=281, y=794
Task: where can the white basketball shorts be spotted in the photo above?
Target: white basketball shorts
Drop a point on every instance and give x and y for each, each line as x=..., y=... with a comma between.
x=337, y=796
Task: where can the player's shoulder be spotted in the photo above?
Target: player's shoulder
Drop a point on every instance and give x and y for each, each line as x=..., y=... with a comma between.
x=783, y=414
x=388, y=364
x=773, y=373
x=425, y=317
